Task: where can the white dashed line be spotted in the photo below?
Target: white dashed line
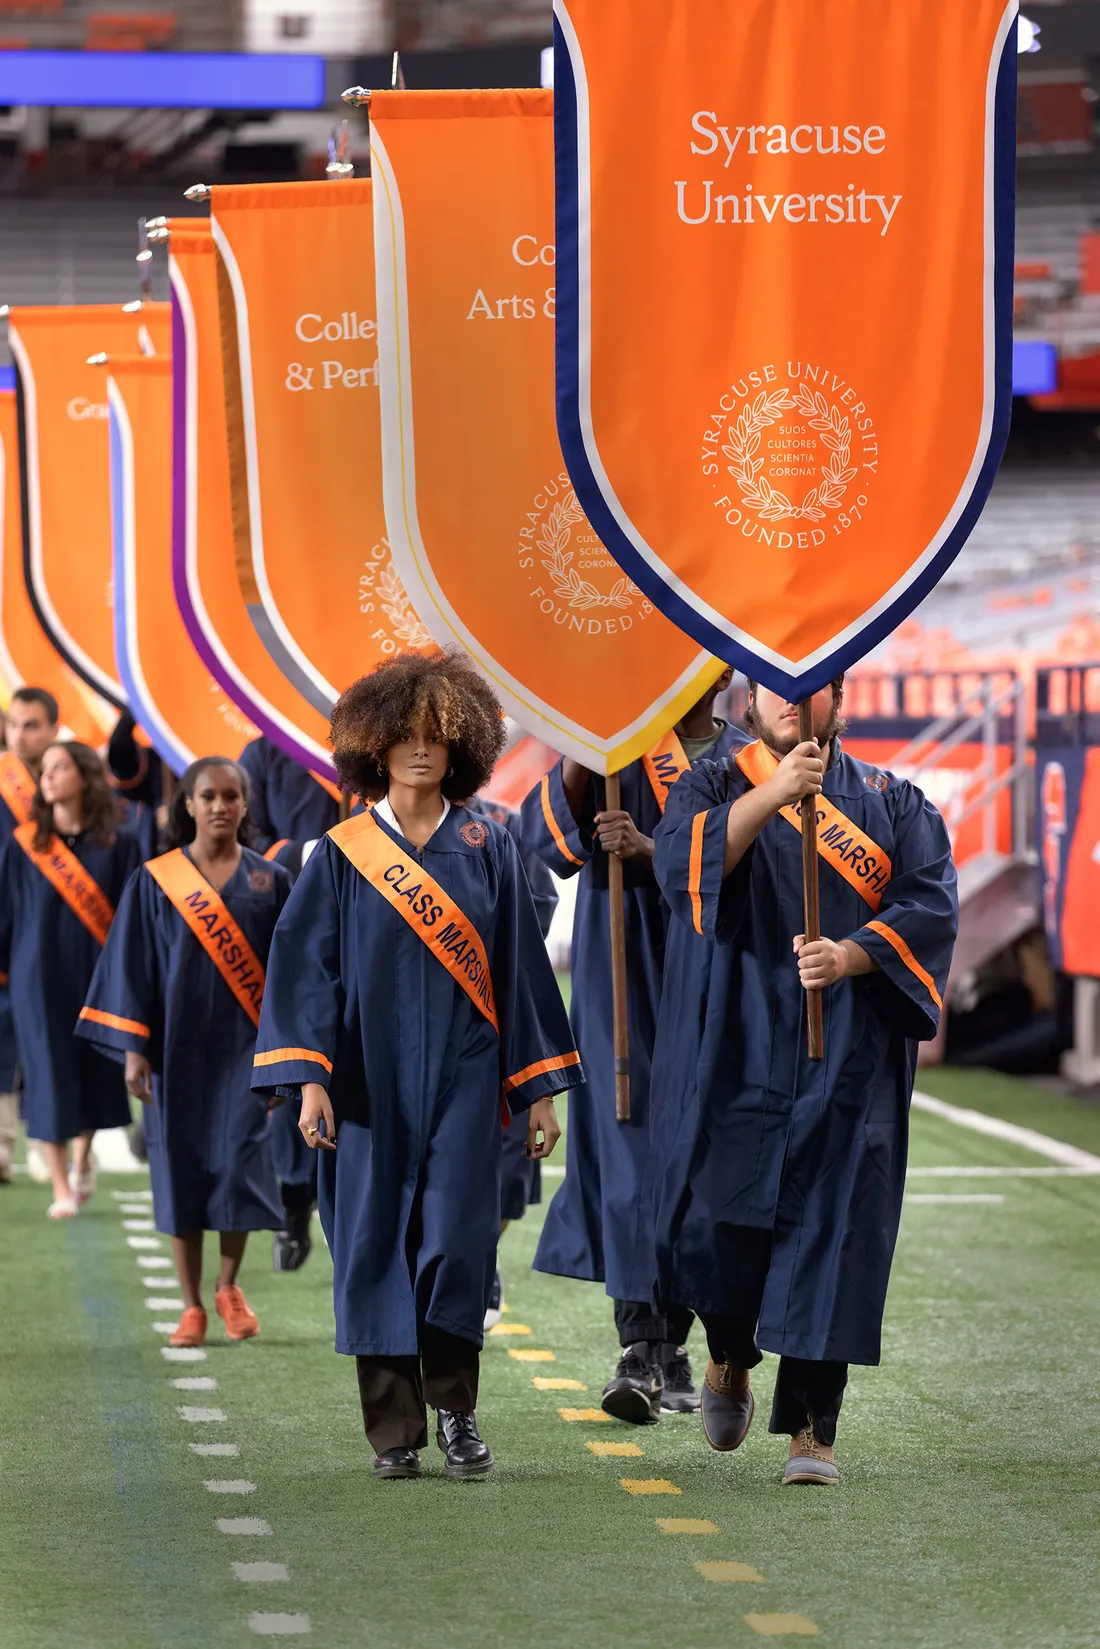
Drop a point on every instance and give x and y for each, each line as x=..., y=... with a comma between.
x=932, y=1197
x=154, y=1262
x=132, y=1196
x=200, y=1382
x=223, y=1450
x=265, y=1572
x=133, y=1208
x=163, y=1302
x=1003, y=1173
x=201, y=1417
x=154, y=1282
x=144, y=1242
x=229, y=1485
x=139, y=1225
x=242, y=1525
x=165, y=1328
x=278, y=1626
x=182, y=1354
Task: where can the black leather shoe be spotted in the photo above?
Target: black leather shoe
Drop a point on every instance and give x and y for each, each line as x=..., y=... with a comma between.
x=634, y=1394
x=293, y=1243
x=727, y=1406
x=460, y=1440
x=679, y=1395
x=397, y=1463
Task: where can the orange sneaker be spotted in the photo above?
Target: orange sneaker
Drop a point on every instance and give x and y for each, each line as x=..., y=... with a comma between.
x=192, y=1327
x=241, y=1322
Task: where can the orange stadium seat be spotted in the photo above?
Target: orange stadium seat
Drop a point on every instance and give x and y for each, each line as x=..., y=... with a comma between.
x=128, y=31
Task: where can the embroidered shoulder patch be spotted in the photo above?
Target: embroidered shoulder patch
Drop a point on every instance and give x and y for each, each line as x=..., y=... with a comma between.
x=878, y=781
x=474, y=833
x=261, y=881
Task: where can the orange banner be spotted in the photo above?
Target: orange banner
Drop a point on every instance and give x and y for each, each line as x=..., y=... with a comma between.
x=170, y=690
x=207, y=915
x=208, y=590
x=68, y=877
x=27, y=656
x=432, y=914
x=68, y=528
x=486, y=529
x=785, y=257
x=302, y=392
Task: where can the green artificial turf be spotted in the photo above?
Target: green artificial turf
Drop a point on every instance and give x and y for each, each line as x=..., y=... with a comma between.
x=967, y=1517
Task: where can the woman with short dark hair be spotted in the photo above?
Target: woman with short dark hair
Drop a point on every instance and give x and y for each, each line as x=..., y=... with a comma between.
x=61, y=876
x=177, y=996
x=411, y=1001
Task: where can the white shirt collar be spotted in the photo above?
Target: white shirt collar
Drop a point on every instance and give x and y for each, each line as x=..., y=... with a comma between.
x=385, y=811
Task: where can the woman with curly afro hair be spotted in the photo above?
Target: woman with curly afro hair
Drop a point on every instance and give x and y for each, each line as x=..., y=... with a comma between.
x=411, y=1001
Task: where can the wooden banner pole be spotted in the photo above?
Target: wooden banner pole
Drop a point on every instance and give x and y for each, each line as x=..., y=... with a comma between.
x=618, y=965
x=811, y=902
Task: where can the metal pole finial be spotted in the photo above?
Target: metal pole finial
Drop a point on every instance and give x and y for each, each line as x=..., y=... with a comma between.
x=197, y=191
x=339, y=166
x=99, y=359
x=357, y=96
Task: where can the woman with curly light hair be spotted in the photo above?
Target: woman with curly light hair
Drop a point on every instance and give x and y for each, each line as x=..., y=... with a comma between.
x=411, y=1001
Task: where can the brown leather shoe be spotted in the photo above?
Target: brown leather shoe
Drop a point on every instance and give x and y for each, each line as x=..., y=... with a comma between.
x=810, y=1461
x=727, y=1406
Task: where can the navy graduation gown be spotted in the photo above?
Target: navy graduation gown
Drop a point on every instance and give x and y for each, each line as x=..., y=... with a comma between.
x=410, y=1199
x=521, y=1176
x=210, y=1155
x=599, y=1225
x=285, y=801
x=9, y=1057
x=746, y=1130
x=50, y=956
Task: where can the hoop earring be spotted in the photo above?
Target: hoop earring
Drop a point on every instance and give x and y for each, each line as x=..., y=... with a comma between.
x=450, y=773
x=382, y=767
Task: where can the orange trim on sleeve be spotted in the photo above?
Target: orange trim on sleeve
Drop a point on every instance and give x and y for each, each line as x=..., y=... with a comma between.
x=553, y=826
x=907, y=957
x=97, y=1017
x=695, y=871
x=279, y=1056
x=558, y=1063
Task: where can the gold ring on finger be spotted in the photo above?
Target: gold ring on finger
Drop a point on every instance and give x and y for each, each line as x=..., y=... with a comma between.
x=312, y=1130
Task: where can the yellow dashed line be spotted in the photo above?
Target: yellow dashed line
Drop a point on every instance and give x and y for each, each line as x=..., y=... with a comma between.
x=648, y=1485
x=626, y=1451
x=687, y=1525
x=525, y=1356
x=584, y=1414
x=499, y=1329
x=542, y=1383
x=780, y=1626
x=723, y=1572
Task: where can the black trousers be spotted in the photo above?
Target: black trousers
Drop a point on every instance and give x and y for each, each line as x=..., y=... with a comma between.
x=395, y=1391
x=638, y=1320
x=804, y=1391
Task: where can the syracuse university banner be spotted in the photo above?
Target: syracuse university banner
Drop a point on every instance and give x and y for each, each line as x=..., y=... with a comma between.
x=203, y=557
x=304, y=440
x=27, y=656
x=785, y=238
x=173, y=695
x=488, y=533
x=63, y=430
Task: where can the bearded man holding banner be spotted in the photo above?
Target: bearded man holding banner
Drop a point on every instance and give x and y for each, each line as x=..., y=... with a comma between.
x=780, y=1180
x=598, y=1228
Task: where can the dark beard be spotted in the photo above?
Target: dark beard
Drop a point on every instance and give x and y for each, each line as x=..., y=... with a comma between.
x=781, y=744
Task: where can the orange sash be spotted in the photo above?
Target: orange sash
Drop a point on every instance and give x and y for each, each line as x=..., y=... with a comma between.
x=207, y=915
x=276, y=848
x=664, y=764
x=16, y=787
x=862, y=863
x=432, y=914
x=67, y=876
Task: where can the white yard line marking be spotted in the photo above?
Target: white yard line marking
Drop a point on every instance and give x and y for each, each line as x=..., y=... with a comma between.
x=154, y=1262
x=242, y=1525
x=133, y=1208
x=154, y=1282
x=165, y=1328
x=163, y=1302
x=227, y=1451
x=113, y=1154
x=931, y=1196
x=278, y=1626
x=182, y=1354
x=553, y=1170
x=200, y=1417
x=144, y=1242
x=229, y=1485
x=1055, y=1150
x=138, y=1225
x=199, y=1382
x=131, y=1196
x=1003, y=1173
x=266, y=1572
